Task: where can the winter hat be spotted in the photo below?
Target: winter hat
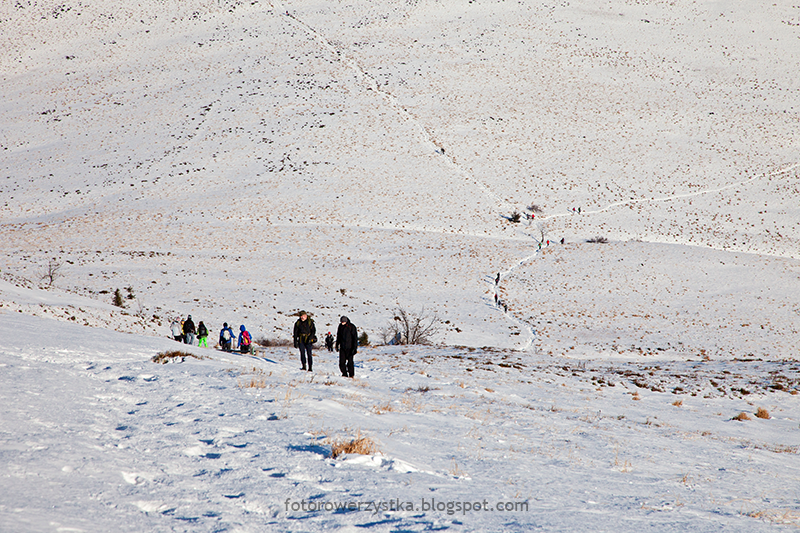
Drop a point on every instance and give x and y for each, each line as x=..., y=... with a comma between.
x=344, y=319
x=242, y=328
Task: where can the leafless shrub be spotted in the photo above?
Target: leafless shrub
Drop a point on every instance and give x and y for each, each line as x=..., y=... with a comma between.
x=534, y=208
x=171, y=355
x=762, y=413
x=267, y=343
x=421, y=388
x=360, y=445
x=741, y=417
x=598, y=239
x=411, y=328
x=52, y=271
x=677, y=403
x=515, y=217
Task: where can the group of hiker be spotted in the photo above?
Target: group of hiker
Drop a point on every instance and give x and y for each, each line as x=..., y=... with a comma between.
x=346, y=343
x=304, y=335
x=185, y=331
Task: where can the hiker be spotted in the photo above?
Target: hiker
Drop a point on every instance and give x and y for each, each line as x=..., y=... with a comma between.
x=225, y=337
x=497, y=279
x=177, y=332
x=245, y=341
x=329, y=341
x=347, y=344
x=305, y=334
x=188, y=330
x=562, y=240
x=202, y=335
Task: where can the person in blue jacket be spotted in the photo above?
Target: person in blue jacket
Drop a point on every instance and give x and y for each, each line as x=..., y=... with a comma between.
x=226, y=337
x=245, y=341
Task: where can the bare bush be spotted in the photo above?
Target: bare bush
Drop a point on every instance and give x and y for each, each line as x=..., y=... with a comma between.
x=598, y=239
x=267, y=343
x=515, y=217
x=411, y=328
x=762, y=413
x=534, y=208
x=52, y=271
x=741, y=417
x=171, y=355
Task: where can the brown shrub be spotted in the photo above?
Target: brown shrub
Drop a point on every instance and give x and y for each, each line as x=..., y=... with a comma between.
x=360, y=445
x=741, y=417
x=166, y=357
x=762, y=413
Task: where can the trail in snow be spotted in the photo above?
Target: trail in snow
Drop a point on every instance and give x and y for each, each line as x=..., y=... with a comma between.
x=510, y=271
x=425, y=133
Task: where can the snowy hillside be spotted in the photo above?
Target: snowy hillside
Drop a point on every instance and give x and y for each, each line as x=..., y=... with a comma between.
x=240, y=161
x=96, y=437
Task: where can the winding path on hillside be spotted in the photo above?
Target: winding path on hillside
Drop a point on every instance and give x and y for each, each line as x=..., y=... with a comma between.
x=525, y=260
x=503, y=205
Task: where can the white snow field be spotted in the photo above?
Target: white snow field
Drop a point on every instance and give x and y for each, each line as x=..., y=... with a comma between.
x=242, y=160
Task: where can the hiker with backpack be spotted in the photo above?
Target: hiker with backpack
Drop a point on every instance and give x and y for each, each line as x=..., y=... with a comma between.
x=188, y=330
x=329, y=341
x=225, y=337
x=202, y=335
x=177, y=331
x=245, y=341
x=347, y=344
x=305, y=335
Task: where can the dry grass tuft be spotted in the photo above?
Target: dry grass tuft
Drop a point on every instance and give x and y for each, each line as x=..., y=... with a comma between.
x=677, y=403
x=253, y=383
x=360, y=445
x=762, y=413
x=171, y=355
x=778, y=516
x=381, y=409
x=741, y=417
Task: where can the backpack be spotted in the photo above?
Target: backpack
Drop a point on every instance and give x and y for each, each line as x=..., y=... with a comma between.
x=226, y=335
x=202, y=331
x=245, y=338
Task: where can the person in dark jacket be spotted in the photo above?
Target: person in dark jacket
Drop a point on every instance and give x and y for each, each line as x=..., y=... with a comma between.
x=202, y=335
x=347, y=345
x=188, y=331
x=305, y=335
x=329, y=341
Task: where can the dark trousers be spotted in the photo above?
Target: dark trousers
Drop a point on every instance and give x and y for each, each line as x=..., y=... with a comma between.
x=305, y=348
x=346, y=365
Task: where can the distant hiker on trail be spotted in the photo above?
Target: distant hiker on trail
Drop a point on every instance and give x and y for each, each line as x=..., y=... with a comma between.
x=329, y=341
x=188, y=330
x=347, y=344
x=496, y=298
x=245, y=341
x=562, y=240
x=177, y=331
x=497, y=279
x=305, y=334
x=225, y=337
x=202, y=335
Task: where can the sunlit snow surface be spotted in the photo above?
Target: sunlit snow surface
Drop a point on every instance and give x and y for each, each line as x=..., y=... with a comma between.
x=239, y=161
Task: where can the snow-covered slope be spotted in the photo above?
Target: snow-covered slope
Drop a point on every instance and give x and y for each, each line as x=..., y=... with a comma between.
x=240, y=161
x=227, y=154
x=96, y=437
